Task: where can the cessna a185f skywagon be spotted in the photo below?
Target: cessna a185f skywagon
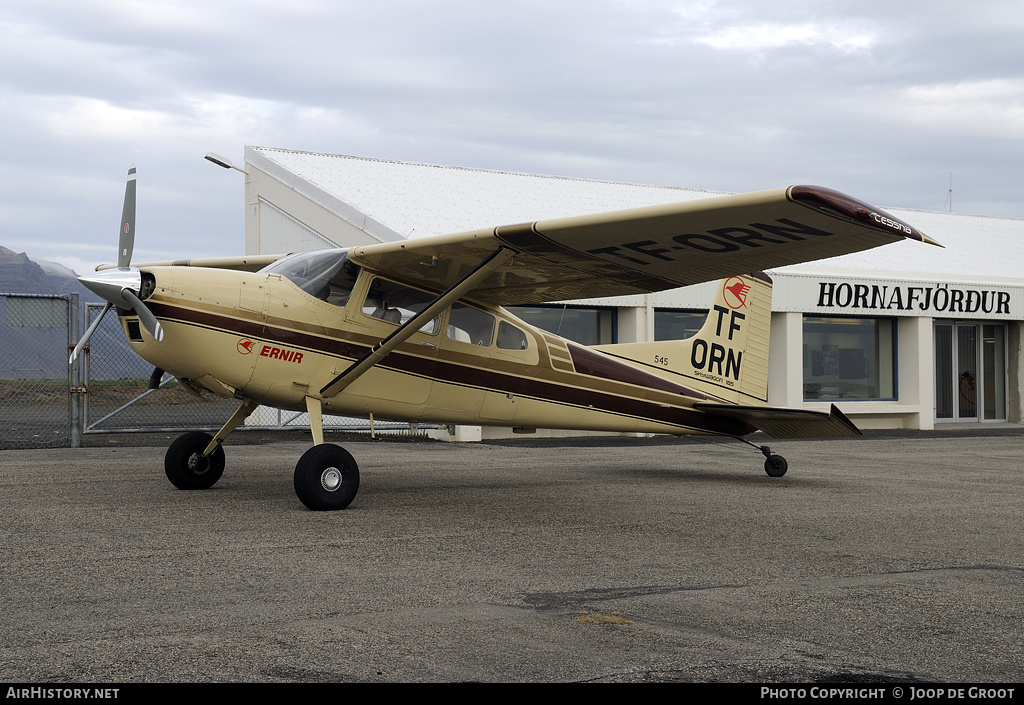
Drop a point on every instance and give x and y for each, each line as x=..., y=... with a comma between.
x=415, y=330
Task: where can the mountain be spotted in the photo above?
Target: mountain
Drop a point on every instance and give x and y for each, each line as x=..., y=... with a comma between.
x=21, y=275
x=57, y=269
x=30, y=351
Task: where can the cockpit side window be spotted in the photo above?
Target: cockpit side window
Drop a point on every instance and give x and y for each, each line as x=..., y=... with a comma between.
x=396, y=304
x=326, y=274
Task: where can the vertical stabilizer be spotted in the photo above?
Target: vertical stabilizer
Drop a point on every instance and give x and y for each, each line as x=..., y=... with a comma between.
x=728, y=358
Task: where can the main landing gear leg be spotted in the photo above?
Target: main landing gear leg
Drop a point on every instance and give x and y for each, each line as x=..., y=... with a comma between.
x=774, y=465
x=195, y=461
x=326, y=476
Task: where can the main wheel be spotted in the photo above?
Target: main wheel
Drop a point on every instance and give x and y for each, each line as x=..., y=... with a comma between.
x=776, y=466
x=185, y=465
x=326, y=478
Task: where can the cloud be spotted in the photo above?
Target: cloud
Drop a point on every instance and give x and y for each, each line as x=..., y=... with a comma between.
x=994, y=106
x=877, y=98
x=761, y=37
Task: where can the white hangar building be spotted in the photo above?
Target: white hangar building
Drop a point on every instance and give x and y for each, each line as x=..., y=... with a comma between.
x=902, y=336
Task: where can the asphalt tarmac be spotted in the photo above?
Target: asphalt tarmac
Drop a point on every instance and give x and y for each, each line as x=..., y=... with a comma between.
x=884, y=559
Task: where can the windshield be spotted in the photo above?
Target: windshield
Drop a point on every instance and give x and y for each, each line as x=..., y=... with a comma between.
x=326, y=274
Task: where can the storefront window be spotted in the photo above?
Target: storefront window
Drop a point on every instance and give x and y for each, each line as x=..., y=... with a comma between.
x=677, y=324
x=587, y=326
x=849, y=358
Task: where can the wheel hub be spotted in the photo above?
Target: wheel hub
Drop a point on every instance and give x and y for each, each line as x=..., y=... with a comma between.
x=198, y=463
x=330, y=479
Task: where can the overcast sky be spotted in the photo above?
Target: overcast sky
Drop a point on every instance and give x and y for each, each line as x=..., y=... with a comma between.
x=882, y=100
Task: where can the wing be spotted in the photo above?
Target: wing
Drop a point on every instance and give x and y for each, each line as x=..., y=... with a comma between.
x=644, y=250
x=245, y=263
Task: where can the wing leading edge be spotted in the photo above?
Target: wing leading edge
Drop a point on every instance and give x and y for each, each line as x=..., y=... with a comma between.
x=245, y=263
x=644, y=250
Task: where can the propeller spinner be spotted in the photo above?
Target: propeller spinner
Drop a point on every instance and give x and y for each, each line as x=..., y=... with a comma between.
x=121, y=287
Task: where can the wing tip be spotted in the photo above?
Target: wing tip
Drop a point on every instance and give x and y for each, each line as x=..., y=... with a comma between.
x=856, y=209
x=844, y=419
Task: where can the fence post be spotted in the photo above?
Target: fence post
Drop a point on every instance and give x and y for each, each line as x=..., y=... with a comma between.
x=74, y=378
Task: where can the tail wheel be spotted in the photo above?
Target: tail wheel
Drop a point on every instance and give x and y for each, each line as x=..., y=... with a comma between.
x=326, y=478
x=187, y=468
x=776, y=466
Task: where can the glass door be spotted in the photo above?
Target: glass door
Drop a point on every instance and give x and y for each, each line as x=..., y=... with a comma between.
x=966, y=372
x=993, y=354
x=970, y=372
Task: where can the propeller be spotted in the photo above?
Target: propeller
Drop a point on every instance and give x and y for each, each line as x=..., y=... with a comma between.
x=121, y=287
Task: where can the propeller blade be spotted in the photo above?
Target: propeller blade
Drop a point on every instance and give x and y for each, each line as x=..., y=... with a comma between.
x=126, y=240
x=120, y=286
x=88, y=334
x=145, y=315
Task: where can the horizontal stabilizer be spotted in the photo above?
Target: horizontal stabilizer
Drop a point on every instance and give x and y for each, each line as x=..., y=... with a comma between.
x=787, y=423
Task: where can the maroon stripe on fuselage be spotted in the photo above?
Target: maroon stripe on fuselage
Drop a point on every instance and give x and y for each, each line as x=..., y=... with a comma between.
x=468, y=376
x=595, y=364
x=252, y=329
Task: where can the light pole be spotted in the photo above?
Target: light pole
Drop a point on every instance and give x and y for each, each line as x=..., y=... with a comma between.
x=223, y=161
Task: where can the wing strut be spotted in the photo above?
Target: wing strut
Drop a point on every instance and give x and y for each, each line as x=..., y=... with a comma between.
x=381, y=350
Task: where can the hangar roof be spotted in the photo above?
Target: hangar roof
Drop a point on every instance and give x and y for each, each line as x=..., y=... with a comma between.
x=417, y=200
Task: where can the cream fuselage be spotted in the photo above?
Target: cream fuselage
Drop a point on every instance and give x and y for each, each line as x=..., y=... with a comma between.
x=260, y=337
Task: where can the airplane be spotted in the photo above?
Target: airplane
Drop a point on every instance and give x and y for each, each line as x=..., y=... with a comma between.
x=417, y=331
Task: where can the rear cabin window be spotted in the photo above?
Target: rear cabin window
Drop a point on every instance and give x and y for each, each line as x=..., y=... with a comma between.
x=510, y=337
x=469, y=325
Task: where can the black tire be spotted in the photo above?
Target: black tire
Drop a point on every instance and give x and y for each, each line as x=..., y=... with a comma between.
x=185, y=465
x=326, y=478
x=776, y=466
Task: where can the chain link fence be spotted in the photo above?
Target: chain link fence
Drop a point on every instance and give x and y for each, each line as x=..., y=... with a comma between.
x=36, y=407
x=118, y=397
